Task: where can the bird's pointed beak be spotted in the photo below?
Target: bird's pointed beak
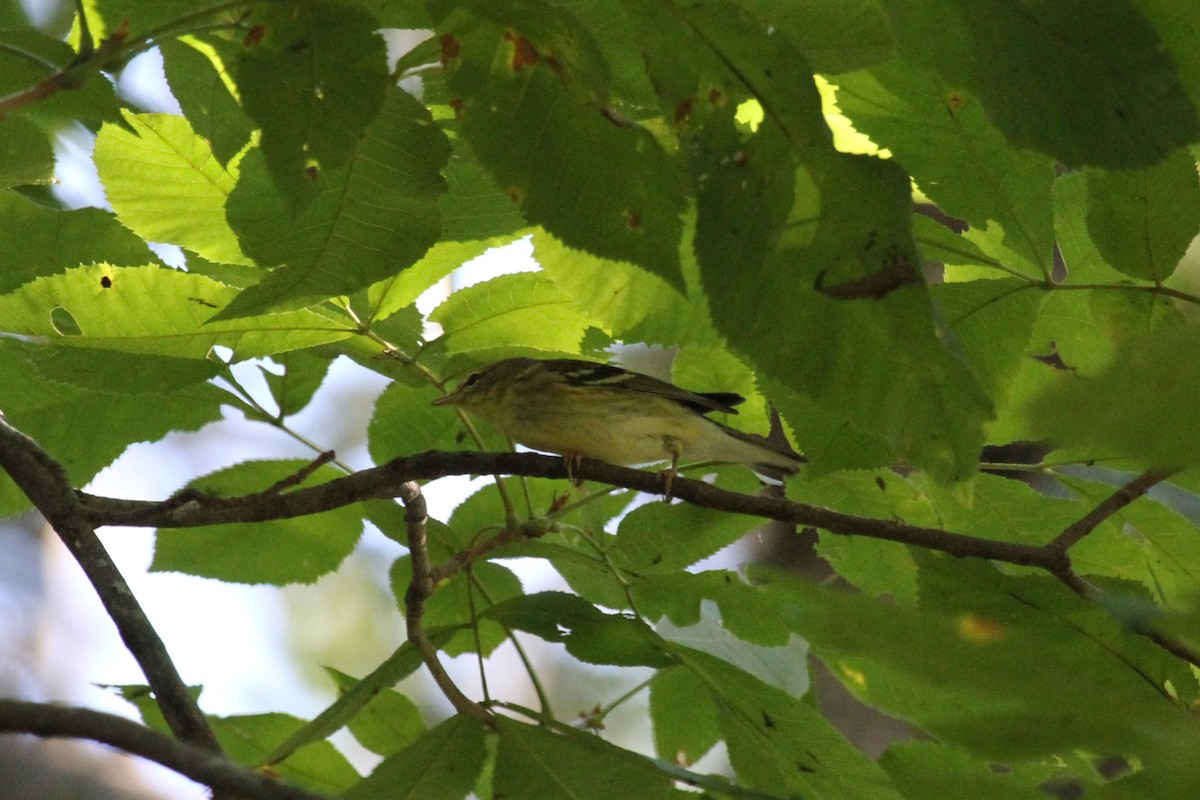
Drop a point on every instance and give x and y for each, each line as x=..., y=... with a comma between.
x=449, y=400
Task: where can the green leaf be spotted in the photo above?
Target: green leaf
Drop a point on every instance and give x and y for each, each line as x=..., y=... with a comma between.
x=998, y=508
x=829, y=440
x=155, y=311
x=441, y=765
x=371, y=217
x=399, y=665
x=626, y=301
x=939, y=243
x=941, y=135
x=684, y=730
x=165, y=185
x=712, y=369
x=314, y=82
x=928, y=769
x=28, y=57
x=525, y=308
x=111, y=371
x=834, y=37
x=196, y=69
x=1146, y=541
x=528, y=86
x=1084, y=81
x=659, y=537
x=318, y=766
x=589, y=634
x=782, y=666
x=1143, y=221
x=142, y=17
x=303, y=373
x=386, y=724
x=780, y=745
x=992, y=321
x=1080, y=254
x=961, y=666
x=474, y=207
x=830, y=245
x=55, y=413
x=533, y=762
x=1131, y=409
x=401, y=289
x=682, y=598
x=25, y=154
x=921, y=400
x=404, y=423
x=40, y=241
x=279, y=552
x=873, y=566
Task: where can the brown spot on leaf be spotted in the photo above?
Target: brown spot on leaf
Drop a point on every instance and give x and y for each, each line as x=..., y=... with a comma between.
x=450, y=47
x=516, y=194
x=955, y=101
x=684, y=109
x=524, y=55
x=106, y=281
x=254, y=36
x=716, y=96
x=633, y=220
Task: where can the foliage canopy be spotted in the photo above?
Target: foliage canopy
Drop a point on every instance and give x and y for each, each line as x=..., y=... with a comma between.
x=703, y=176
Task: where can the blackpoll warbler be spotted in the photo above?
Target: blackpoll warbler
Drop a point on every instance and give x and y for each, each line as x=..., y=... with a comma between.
x=582, y=409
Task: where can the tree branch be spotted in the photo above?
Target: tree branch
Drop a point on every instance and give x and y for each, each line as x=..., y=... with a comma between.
x=386, y=480
x=45, y=483
x=1111, y=505
x=200, y=765
x=420, y=587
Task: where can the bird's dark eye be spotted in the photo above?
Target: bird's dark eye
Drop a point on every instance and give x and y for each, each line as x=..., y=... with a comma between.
x=472, y=379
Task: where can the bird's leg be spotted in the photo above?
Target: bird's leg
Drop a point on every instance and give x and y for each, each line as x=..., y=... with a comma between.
x=674, y=448
x=572, y=460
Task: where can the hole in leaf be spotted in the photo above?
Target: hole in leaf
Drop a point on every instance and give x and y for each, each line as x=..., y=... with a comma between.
x=64, y=322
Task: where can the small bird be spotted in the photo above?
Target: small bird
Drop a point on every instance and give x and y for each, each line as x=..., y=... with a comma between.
x=584, y=409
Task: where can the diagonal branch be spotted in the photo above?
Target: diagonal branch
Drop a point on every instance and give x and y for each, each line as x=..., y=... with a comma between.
x=45, y=483
x=1131, y=491
x=198, y=764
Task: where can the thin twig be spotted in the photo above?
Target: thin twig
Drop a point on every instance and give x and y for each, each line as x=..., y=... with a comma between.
x=198, y=764
x=301, y=475
x=1088, y=592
